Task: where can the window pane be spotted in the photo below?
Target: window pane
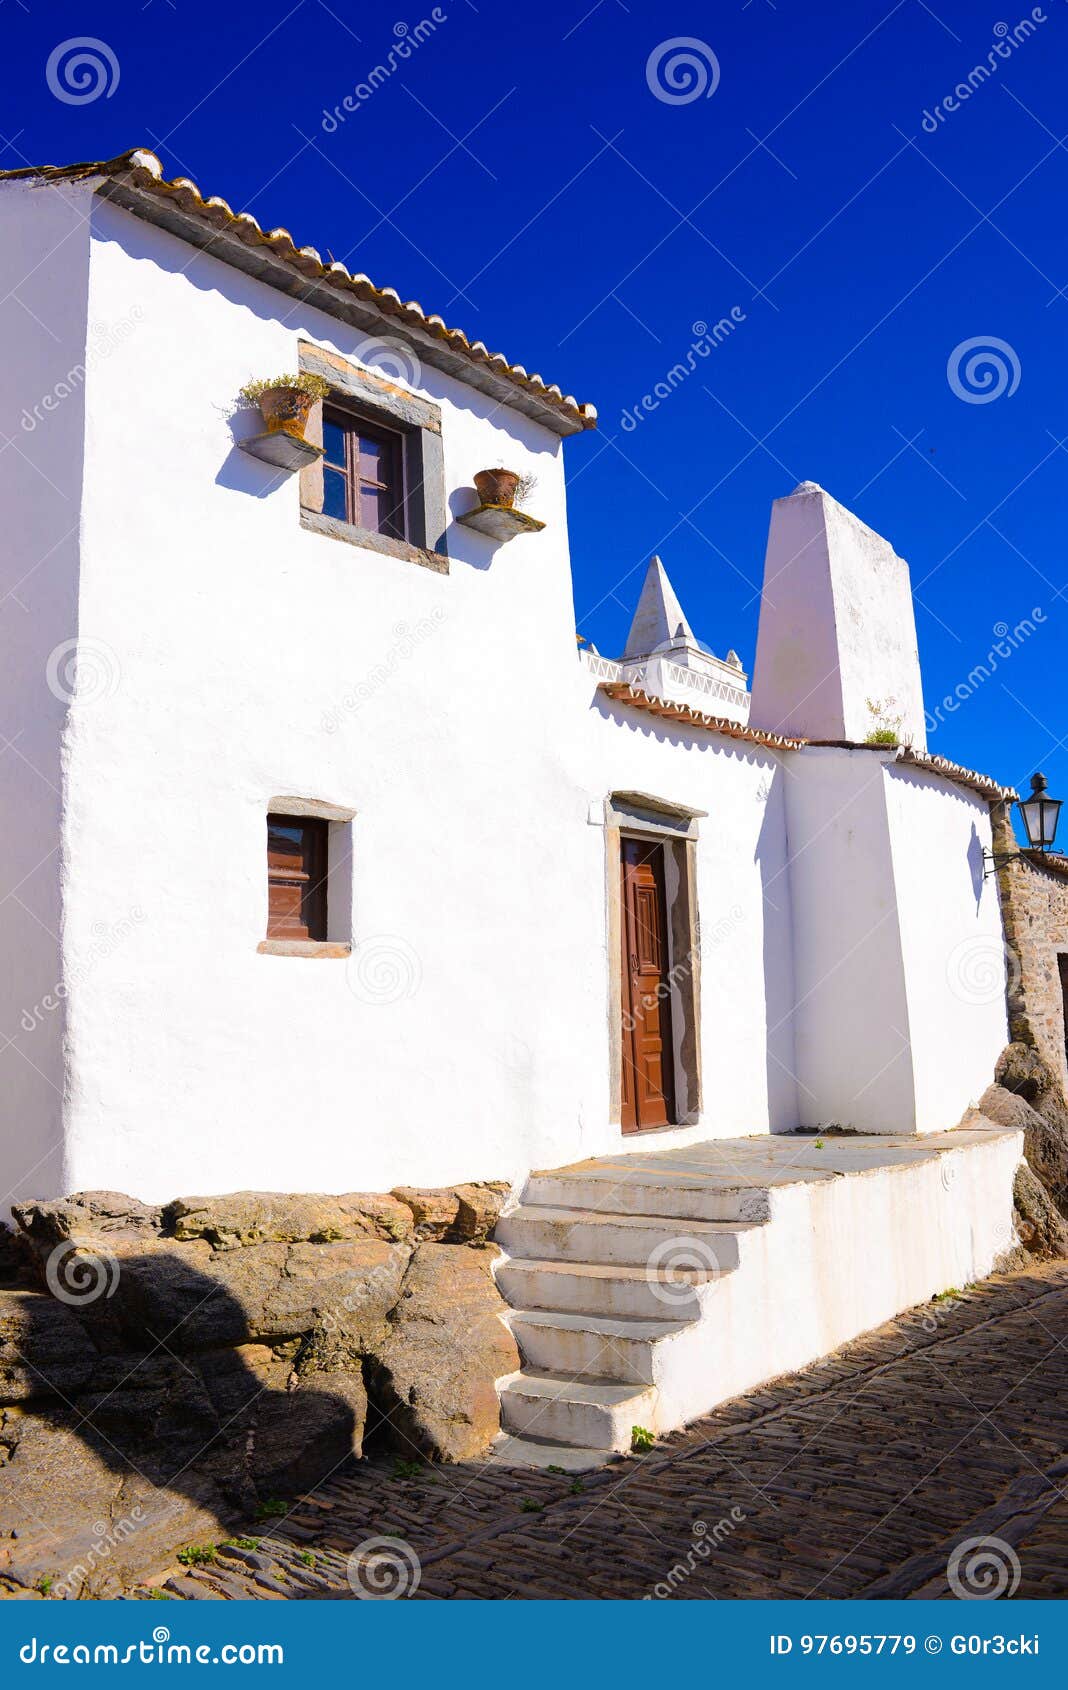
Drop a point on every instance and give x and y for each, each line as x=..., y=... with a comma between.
x=378, y=510
x=296, y=878
x=334, y=502
x=334, y=441
x=376, y=459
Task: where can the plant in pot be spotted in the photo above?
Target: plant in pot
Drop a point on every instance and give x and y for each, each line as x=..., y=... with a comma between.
x=285, y=402
x=497, y=486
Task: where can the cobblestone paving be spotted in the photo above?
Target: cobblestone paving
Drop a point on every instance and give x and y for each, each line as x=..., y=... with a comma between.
x=858, y=1477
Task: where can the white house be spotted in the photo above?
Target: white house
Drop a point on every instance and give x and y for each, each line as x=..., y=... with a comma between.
x=563, y=899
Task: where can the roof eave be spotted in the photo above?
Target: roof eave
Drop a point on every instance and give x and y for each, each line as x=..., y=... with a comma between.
x=325, y=295
x=135, y=182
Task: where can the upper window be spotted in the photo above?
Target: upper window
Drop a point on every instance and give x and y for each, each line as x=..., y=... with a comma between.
x=363, y=474
x=296, y=877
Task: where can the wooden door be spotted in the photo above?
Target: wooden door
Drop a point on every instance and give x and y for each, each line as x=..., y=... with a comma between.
x=647, y=1074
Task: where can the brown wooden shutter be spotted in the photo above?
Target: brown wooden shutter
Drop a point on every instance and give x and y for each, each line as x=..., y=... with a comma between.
x=296, y=877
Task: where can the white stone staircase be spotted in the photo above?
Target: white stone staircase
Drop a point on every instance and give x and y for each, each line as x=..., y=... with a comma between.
x=604, y=1264
x=647, y=1288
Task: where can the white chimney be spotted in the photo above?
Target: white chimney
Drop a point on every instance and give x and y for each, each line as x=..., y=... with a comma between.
x=836, y=651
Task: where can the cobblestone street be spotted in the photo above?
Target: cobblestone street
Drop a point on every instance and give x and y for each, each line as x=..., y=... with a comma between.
x=857, y=1477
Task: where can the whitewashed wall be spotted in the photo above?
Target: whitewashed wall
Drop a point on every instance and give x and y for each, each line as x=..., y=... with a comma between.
x=899, y=955
x=851, y=1023
x=44, y=268
x=952, y=941
x=229, y=657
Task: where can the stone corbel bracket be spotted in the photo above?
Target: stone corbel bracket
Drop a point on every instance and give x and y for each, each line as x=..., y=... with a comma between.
x=500, y=522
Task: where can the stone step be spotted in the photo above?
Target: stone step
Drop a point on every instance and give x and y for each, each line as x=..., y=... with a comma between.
x=601, y=1289
x=595, y=1346
x=509, y=1451
x=620, y=1190
x=656, y=1241
x=586, y=1413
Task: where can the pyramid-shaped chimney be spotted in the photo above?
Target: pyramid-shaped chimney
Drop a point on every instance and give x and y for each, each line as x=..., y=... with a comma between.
x=663, y=655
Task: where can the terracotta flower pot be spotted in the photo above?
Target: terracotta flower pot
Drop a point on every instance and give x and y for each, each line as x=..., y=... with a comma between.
x=497, y=486
x=286, y=410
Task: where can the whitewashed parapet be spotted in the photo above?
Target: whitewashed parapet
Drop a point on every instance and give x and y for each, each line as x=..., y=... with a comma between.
x=662, y=679
x=604, y=668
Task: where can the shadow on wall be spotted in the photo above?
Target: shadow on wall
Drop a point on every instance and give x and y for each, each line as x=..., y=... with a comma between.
x=777, y=940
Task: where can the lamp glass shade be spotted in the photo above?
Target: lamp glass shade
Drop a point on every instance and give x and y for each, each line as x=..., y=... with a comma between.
x=1040, y=817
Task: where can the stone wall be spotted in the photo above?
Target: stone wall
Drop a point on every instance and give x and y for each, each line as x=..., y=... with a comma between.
x=167, y=1371
x=1034, y=903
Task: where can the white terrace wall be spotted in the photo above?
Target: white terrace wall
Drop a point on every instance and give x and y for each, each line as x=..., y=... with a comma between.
x=44, y=269
x=899, y=958
x=952, y=940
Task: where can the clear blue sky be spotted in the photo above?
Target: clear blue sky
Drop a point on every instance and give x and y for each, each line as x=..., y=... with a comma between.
x=519, y=175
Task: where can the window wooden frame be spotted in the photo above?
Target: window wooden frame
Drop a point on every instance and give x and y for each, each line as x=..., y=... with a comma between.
x=355, y=429
x=416, y=424
x=297, y=866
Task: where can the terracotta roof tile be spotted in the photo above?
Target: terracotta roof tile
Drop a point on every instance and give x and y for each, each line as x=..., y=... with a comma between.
x=140, y=172
x=623, y=693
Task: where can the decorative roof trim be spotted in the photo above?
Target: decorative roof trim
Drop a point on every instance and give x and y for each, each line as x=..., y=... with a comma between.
x=985, y=785
x=622, y=693
x=135, y=181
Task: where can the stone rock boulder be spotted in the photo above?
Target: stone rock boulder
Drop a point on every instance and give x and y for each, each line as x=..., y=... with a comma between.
x=44, y=1348
x=434, y=1377
x=197, y=1298
x=110, y=1213
x=460, y=1214
x=1028, y=1098
x=269, y=1217
x=176, y=1365
x=1042, y=1229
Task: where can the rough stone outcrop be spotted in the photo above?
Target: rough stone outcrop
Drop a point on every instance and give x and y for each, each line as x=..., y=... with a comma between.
x=1027, y=1097
x=170, y=1368
x=1042, y=1229
x=433, y=1378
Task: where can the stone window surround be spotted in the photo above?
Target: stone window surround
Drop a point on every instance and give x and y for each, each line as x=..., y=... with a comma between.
x=641, y=815
x=338, y=876
x=418, y=421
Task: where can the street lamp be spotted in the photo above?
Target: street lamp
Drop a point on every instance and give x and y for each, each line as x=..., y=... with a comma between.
x=1041, y=814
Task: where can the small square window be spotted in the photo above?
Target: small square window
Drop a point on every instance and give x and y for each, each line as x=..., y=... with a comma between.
x=363, y=474
x=297, y=865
